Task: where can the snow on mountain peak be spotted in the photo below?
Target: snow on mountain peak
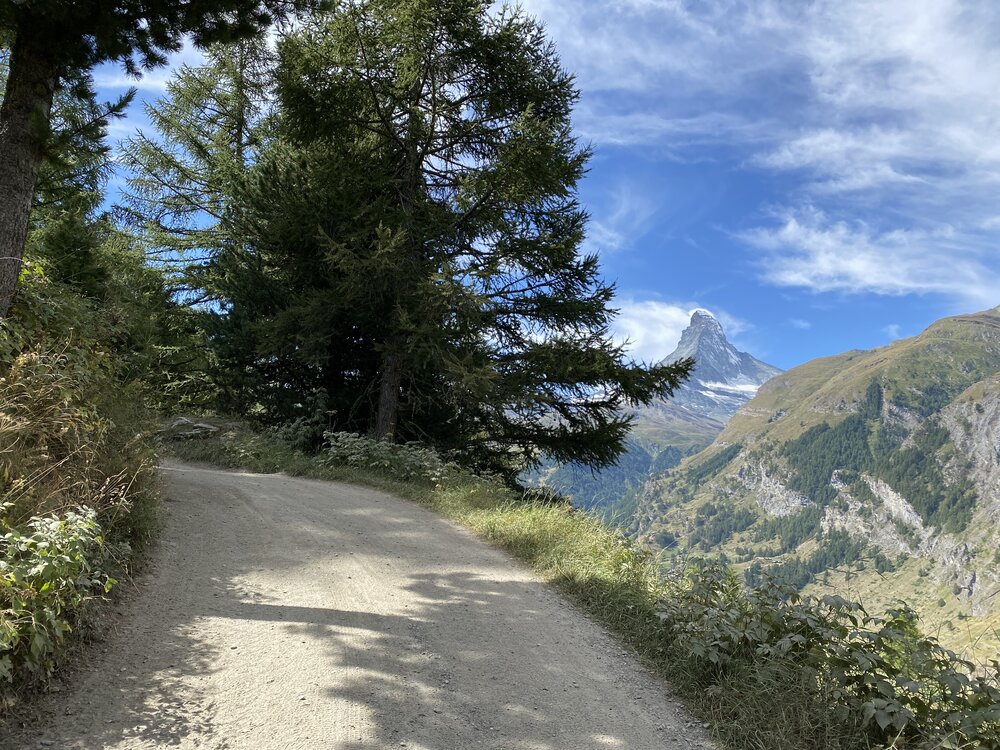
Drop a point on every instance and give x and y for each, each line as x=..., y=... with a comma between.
x=724, y=377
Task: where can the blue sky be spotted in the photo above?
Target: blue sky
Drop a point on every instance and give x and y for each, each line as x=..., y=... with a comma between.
x=823, y=175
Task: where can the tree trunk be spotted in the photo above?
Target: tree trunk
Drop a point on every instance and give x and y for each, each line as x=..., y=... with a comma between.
x=388, y=397
x=24, y=118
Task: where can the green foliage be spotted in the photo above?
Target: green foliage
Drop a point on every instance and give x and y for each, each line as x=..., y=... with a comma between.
x=406, y=243
x=916, y=474
x=858, y=445
x=712, y=465
x=182, y=184
x=871, y=406
x=72, y=427
x=409, y=462
x=823, y=449
x=792, y=529
x=47, y=574
x=872, y=681
x=137, y=34
x=714, y=524
x=929, y=399
x=75, y=464
x=835, y=549
x=666, y=459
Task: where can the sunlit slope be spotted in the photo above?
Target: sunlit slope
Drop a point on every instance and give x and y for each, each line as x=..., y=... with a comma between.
x=884, y=459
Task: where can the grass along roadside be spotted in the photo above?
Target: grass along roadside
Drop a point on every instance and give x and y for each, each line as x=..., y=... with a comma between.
x=763, y=668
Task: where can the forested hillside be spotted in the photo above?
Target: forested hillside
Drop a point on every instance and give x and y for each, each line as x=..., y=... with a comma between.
x=883, y=460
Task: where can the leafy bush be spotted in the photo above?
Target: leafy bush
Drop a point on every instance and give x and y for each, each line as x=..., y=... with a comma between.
x=877, y=677
x=47, y=574
x=409, y=462
x=75, y=465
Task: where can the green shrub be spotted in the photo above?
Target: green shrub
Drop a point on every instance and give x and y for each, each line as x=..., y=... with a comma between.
x=47, y=574
x=409, y=462
x=877, y=677
x=76, y=466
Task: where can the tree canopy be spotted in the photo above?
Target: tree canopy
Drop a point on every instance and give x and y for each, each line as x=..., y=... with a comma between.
x=405, y=251
x=52, y=42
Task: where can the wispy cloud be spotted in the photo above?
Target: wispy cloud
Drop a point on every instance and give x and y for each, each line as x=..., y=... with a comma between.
x=881, y=119
x=642, y=125
x=111, y=76
x=626, y=216
x=802, y=325
x=892, y=330
x=808, y=249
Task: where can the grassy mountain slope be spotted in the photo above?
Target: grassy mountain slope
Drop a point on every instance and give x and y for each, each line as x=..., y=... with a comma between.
x=665, y=431
x=884, y=459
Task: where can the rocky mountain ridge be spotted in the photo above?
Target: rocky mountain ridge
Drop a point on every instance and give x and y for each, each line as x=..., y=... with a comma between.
x=725, y=376
x=886, y=460
x=666, y=431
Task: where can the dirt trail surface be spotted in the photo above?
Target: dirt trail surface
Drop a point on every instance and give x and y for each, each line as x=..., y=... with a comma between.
x=286, y=613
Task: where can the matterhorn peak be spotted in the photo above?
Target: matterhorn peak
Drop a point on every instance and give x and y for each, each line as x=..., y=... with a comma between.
x=703, y=320
x=723, y=377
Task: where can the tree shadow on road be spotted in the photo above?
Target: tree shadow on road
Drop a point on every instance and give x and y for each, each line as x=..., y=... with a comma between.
x=463, y=650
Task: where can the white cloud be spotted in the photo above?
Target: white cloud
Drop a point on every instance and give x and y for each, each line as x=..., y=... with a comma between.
x=884, y=116
x=113, y=76
x=627, y=216
x=644, y=125
x=892, y=330
x=653, y=328
x=802, y=325
x=807, y=249
x=631, y=45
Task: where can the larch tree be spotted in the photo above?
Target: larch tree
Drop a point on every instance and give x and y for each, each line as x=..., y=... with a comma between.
x=52, y=40
x=184, y=174
x=418, y=208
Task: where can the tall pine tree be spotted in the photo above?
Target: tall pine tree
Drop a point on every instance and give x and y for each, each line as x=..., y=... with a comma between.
x=409, y=244
x=52, y=41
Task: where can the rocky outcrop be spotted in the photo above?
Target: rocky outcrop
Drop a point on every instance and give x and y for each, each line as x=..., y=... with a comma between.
x=769, y=492
x=895, y=504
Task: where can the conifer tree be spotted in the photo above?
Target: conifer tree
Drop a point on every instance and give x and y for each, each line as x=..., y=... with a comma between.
x=410, y=242
x=51, y=41
x=183, y=179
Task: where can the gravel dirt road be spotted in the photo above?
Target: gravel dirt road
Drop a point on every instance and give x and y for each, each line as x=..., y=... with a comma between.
x=284, y=613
